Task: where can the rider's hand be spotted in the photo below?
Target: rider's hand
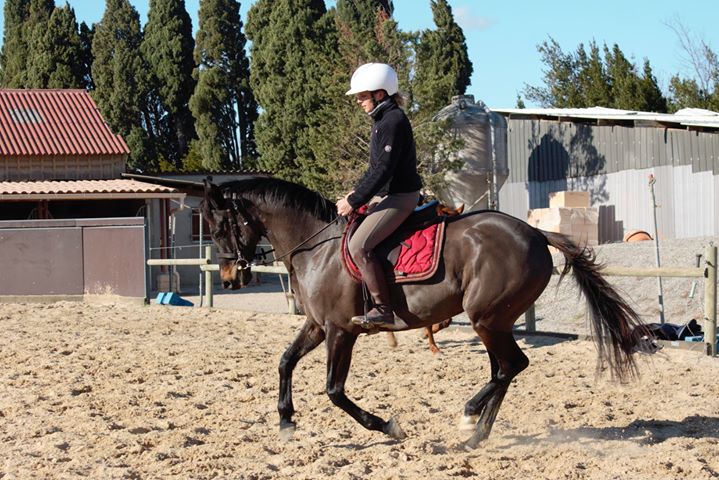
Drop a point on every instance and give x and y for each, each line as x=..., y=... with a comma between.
x=343, y=207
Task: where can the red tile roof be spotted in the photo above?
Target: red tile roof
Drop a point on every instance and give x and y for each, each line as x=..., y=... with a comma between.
x=75, y=188
x=54, y=122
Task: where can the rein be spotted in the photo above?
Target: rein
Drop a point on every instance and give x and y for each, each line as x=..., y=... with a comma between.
x=295, y=248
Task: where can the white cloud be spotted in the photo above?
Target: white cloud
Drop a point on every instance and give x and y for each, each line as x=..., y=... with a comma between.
x=468, y=20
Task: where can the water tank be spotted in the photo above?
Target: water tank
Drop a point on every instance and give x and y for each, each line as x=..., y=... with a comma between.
x=483, y=155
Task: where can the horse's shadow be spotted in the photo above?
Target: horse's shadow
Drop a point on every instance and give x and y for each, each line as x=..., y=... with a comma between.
x=643, y=432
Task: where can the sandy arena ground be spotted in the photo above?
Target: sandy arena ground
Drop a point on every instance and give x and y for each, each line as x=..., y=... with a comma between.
x=123, y=391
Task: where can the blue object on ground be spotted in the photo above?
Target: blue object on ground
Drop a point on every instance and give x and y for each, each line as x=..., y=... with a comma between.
x=171, y=298
x=699, y=338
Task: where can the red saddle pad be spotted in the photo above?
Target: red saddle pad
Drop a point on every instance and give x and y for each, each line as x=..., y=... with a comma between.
x=418, y=258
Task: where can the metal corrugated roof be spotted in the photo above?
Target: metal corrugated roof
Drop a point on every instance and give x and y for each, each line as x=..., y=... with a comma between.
x=688, y=117
x=85, y=189
x=54, y=122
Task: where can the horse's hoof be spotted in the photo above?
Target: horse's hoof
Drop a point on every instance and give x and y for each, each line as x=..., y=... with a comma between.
x=467, y=446
x=286, y=433
x=393, y=429
x=468, y=423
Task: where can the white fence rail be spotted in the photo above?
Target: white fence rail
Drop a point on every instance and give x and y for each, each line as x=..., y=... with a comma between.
x=208, y=267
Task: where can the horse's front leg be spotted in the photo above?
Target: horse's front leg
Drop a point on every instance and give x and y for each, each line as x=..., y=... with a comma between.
x=339, y=358
x=307, y=340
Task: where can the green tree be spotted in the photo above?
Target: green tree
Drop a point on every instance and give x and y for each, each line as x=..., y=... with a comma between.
x=34, y=34
x=442, y=65
x=623, y=79
x=358, y=32
x=121, y=82
x=560, y=78
x=167, y=47
x=594, y=82
x=57, y=56
x=650, y=93
x=86, y=35
x=287, y=46
x=223, y=103
x=13, y=58
x=584, y=79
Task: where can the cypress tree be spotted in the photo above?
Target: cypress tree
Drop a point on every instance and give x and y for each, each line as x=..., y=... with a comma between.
x=167, y=47
x=223, y=104
x=119, y=74
x=13, y=58
x=443, y=68
x=34, y=34
x=56, y=60
x=86, y=35
x=287, y=45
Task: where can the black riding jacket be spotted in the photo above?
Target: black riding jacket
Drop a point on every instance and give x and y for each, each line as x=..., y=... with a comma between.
x=393, y=158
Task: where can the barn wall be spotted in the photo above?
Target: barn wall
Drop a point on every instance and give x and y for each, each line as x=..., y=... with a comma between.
x=73, y=257
x=688, y=203
x=613, y=163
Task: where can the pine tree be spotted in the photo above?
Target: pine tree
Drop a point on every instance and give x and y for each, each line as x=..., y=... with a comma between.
x=587, y=80
x=13, y=58
x=287, y=45
x=223, y=104
x=623, y=78
x=56, y=60
x=443, y=67
x=594, y=83
x=121, y=84
x=167, y=47
x=652, y=98
x=560, y=78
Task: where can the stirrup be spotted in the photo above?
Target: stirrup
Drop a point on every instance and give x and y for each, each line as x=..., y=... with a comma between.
x=376, y=319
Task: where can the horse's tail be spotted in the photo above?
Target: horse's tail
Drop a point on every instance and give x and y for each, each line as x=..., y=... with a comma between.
x=616, y=327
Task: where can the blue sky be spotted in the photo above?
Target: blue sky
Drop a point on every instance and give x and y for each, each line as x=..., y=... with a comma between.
x=502, y=35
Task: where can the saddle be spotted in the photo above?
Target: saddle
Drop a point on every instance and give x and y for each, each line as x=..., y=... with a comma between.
x=411, y=253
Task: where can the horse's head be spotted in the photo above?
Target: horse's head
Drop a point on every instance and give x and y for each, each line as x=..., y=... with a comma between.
x=235, y=232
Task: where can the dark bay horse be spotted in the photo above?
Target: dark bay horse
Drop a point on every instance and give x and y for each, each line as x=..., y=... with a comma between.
x=494, y=267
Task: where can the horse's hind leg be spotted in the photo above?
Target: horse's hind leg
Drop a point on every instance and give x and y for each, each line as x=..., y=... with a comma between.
x=507, y=360
x=339, y=358
x=307, y=340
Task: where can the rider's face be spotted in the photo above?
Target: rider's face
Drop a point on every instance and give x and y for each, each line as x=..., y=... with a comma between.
x=364, y=99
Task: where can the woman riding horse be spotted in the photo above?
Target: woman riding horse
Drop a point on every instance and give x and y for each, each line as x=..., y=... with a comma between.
x=390, y=185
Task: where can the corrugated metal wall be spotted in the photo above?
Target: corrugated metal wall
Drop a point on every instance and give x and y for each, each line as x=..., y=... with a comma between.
x=613, y=163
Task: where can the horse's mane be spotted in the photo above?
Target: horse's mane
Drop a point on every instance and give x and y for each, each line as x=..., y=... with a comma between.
x=273, y=191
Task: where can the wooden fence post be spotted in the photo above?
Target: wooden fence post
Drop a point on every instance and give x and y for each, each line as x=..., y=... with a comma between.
x=710, y=301
x=208, y=277
x=530, y=323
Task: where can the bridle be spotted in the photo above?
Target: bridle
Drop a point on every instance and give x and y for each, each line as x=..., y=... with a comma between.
x=237, y=209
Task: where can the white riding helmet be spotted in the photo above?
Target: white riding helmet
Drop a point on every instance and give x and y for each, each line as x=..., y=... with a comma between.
x=374, y=76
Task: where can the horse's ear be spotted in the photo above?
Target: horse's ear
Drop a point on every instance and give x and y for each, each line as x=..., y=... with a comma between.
x=214, y=200
x=460, y=209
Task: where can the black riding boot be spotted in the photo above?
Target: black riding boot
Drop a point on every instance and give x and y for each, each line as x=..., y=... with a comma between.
x=374, y=277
